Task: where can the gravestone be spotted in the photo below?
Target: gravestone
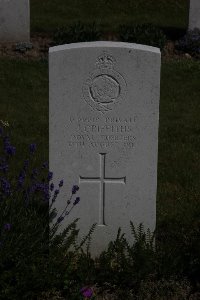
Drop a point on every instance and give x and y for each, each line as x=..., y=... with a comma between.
x=194, y=15
x=104, y=111
x=14, y=21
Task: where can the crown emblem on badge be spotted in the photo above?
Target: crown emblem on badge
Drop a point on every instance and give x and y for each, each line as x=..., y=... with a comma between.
x=105, y=61
x=105, y=86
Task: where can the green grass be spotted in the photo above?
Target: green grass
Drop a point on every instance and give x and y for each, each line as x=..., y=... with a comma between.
x=47, y=15
x=179, y=140
x=24, y=104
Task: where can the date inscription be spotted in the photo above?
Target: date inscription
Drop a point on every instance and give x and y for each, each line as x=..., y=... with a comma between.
x=93, y=133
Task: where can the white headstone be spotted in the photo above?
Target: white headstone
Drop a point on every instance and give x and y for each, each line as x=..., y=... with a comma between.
x=104, y=112
x=14, y=21
x=194, y=15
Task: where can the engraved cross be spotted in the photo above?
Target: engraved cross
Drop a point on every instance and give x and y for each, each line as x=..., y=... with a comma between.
x=102, y=180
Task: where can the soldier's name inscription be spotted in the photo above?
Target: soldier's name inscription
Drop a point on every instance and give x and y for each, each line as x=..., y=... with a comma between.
x=89, y=131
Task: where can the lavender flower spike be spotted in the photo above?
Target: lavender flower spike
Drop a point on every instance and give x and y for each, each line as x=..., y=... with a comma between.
x=7, y=226
x=76, y=201
x=60, y=219
x=50, y=176
x=61, y=183
x=32, y=148
x=75, y=188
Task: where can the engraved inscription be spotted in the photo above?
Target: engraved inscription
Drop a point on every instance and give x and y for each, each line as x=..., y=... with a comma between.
x=101, y=140
x=105, y=86
x=90, y=132
x=102, y=180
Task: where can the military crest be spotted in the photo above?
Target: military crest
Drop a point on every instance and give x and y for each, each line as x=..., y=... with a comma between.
x=105, y=86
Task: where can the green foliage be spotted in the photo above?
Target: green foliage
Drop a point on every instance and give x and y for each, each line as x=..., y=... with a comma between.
x=146, y=34
x=24, y=249
x=51, y=295
x=77, y=32
x=23, y=224
x=61, y=255
x=33, y=257
x=82, y=268
x=164, y=289
x=50, y=14
x=41, y=261
x=124, y=264
x=190, y=43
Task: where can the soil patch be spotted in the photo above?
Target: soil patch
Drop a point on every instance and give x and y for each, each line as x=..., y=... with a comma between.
x=39, y=46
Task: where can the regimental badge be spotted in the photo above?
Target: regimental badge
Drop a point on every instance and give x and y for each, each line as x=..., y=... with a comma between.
x=105, y=86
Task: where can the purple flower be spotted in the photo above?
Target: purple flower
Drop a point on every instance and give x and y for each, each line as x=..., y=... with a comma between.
x=20, y=181
x=32, y=148
x=60, y=219
x=21, y=178
x=10, y=150
x=7, y=226
x=76, y=201
x=61, y=183
x=34, y=173
x=4, y=167
x=51, y=187
x=6, y=141
x=46, y=196
x=56, y=192
x=45, y=165
x=75, y=188
x=50, y=176
x=54, y=199
x=5, y=186
x=40, y=187
x=87, y=292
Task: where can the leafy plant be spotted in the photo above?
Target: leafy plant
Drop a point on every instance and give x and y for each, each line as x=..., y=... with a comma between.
x=77, y=32
x=33, y=257
x=146, y=34
x=190, y=43
x=23, y=223
x=163, y=289
x=38, y=261
x=124, y=264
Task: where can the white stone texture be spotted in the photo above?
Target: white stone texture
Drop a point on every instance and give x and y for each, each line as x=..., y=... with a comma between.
x=104, y=114
x=14, y=21
x=194, y=14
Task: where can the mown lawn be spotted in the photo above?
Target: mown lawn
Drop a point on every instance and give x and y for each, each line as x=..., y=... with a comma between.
x=47, y=15
x=24, y=104
x=179, y=141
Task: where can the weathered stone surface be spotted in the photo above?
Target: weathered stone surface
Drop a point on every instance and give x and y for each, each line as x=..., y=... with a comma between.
x=14, y=21
x=194, y=15
x=104, y=111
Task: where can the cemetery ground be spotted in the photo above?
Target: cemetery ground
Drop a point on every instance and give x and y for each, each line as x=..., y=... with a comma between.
x=169, y=271
x=24, y=105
